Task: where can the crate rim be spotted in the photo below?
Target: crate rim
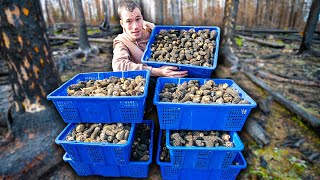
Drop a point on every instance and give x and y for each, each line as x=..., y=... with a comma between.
x=219, y=148
x=181, y=65
x=106, y=98
x=252, y=104
x=60, y=139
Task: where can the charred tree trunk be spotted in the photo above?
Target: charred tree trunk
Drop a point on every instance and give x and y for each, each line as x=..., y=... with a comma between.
x=176, y=12
x=84, y=42
x=49, y=18
x=35, y=123
x=310, y=26
x=257, y=14
x=159, y=12
x=90, y=13
x=105, y=24
x=33, y=71
x=62, y=12
x=229, y=24
x=68, y=10
x=98, y=10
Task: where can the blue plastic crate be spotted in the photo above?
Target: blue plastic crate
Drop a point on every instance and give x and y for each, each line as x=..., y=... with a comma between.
x=168, y=172
x=204, y=157
x=95, y=109
x=135, y=169
x=193, y=71
x=100, y=152
x=196, y=116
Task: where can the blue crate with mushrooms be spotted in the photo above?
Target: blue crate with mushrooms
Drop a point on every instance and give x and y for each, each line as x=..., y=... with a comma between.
x=137, y=167
x=201, y=104
x=97, y=142
x=191, y=48
x=170, y=172
x=103, y=97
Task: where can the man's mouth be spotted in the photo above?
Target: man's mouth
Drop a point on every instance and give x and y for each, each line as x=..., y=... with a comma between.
x=136, y=33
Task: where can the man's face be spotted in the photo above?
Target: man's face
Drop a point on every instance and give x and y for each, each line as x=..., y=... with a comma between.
x=132, y=23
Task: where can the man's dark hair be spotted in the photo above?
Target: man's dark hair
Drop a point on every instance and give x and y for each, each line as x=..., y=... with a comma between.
x=127, y=5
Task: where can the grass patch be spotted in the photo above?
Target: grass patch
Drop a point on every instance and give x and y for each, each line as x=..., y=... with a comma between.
x=239, y=41
x=93, y=31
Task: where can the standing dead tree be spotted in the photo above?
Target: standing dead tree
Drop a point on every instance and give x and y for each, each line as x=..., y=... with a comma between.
x=35, y=122
x=310, y=27
x=62, y=12
x=84, y=47
x=105, y=24
x=229, y=24
x=49, y=18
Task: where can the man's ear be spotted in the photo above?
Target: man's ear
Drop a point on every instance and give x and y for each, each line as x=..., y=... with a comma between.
x=121, y=23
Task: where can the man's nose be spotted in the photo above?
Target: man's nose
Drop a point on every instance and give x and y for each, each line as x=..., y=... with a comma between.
x=135, y=25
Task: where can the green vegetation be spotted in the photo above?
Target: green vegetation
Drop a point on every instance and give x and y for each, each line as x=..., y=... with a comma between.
x=93, y=31
x=57, y=32
x=279, y=41
x=239, y=41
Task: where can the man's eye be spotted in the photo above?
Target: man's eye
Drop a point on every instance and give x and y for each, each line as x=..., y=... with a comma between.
x=129, y=22
x=138, y=19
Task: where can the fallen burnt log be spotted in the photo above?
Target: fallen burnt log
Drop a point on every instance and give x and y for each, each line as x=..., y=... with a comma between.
x=270, y=76
x=291, y=106
x=261, y=42
x=77, y=39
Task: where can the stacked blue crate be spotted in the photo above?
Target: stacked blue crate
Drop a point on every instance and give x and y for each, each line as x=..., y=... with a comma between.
x=200, y=162
x=134, y=169
x=204, y=162
x=105, y=159
x=170, y=172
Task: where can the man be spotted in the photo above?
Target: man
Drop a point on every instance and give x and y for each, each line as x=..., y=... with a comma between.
x=129, y=46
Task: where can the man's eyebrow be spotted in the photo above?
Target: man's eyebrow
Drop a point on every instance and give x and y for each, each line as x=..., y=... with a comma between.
x=128, y=19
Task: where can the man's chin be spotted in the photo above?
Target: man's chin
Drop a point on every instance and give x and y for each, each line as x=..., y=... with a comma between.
x=136, y=36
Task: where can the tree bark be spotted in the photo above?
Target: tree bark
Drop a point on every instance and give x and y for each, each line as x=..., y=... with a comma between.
x=90, y=12
x=28, y=55
x=69, y=15
x=310, y=26
x=105, y=24
x=35, y=123
x=98, y=11
x=159, y=12
x=176, y=12
x=49, y=18
x=62, y=12
x=257, y=13
x=229, y=24
x=267, y=14
x=83, y=38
